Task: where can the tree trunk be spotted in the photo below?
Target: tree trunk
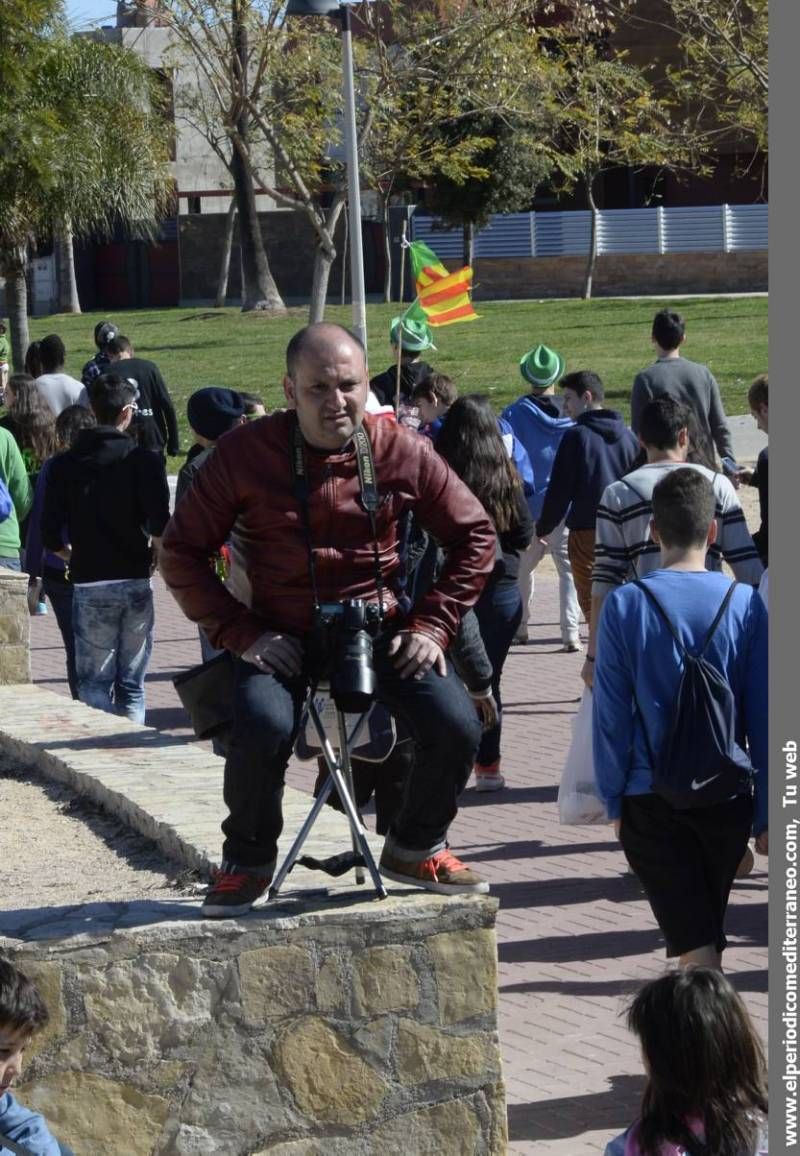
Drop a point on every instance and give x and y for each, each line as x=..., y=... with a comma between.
x=469, y=243
x=259, y=290
x=225, y=260
x=387, y=251
x=17, y=306
x=323, y=263
x=324, y=256
x=592, y=259
x=68, y=300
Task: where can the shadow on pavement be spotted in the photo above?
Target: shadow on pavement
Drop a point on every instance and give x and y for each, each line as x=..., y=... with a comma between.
x=554, y=1119
x=535, y=848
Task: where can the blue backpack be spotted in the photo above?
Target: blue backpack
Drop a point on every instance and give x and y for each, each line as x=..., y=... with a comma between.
x=700, y=763
x=6, y=505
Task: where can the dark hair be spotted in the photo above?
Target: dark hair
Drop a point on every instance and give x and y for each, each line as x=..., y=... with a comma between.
x=662, y=420
x=71, y=421
x=109, y=394
x=103, y=332
x=52, y=353
x=34, y=424
x=436, y=386
x=305, y=336
x=584, y=381
x=668, y=328
x=251, y=402
x=33, y=359
x=758, y=392
x=118, y=344
x=22, y=1009
x=683, y=508
x=470, y=443
x=703, y=1059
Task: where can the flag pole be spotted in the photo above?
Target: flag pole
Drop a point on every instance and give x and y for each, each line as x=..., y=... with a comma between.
x=403, y=247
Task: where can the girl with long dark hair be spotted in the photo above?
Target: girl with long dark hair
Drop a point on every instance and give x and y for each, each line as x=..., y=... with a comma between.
x=470, y=443
x=30, y=421
x=706, y=1092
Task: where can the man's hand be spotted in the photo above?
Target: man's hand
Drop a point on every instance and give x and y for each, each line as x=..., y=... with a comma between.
x=416, y=654
x=486, y=707
x=762, y=843
x=587, y=672
x=275, y=653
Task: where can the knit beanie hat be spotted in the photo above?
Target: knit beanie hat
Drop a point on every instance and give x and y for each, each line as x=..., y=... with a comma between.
x=213, y=411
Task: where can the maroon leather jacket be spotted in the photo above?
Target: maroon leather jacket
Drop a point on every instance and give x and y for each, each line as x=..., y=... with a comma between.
x=245, y=493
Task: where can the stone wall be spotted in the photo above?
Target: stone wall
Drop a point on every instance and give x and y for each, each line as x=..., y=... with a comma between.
x=621, y=275
x=332, y=1033
x=15, y=659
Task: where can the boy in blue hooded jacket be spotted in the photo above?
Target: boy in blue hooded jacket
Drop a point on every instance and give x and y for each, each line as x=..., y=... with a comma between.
x=536, y=422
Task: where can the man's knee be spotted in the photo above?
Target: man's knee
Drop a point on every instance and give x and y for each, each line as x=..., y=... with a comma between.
x=264, y=716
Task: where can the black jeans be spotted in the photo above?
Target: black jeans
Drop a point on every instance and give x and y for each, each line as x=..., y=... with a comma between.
x=499, y=614
x=60, y=592
x=437, y=711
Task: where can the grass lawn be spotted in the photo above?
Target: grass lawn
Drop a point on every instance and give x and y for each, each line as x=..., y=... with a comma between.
x=198, y=347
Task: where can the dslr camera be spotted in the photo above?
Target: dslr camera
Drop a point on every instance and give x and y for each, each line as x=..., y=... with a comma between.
x=341, y=650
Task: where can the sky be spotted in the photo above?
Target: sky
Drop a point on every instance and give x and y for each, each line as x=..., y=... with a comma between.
x=91, y=13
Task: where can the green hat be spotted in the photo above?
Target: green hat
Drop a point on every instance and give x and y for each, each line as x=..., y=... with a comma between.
x=411, y=335
x=541, y=367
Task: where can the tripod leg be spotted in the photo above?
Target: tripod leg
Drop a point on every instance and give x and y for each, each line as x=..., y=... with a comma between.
x=347, y=774
x=335, y=777
x=300, y=838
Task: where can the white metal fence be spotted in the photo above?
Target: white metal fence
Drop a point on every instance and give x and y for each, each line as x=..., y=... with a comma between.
x=710, y=228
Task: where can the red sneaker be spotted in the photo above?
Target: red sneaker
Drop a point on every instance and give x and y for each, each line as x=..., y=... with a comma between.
x=442, y=872
x=232, y=892
x=488, y=778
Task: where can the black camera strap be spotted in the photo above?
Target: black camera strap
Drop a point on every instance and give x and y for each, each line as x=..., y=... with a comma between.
x=370, y=498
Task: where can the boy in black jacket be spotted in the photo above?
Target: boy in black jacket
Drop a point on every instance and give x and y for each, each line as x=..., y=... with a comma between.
x=112, y=497
x=597, y=451
x=155, y=425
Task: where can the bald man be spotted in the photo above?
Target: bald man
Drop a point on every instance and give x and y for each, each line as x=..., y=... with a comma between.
x=286, y=490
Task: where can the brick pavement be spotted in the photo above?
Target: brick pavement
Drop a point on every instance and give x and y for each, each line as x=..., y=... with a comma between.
x=575, y=935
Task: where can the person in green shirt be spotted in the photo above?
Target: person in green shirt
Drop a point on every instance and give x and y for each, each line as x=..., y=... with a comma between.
x=14, y=474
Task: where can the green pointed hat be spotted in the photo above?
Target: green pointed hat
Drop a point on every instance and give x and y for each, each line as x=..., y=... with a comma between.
x=410, y=334
x=541, y=367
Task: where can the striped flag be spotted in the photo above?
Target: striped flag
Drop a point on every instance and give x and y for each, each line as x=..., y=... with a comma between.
x=442, y=297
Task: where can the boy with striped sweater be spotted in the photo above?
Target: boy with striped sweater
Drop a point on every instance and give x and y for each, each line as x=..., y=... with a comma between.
x=624, y=546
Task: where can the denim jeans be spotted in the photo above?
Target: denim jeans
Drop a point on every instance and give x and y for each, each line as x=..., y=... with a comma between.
x=437, y=711
x=113, y=626
x=11, y=563
x=60, y=592
x=499, y=614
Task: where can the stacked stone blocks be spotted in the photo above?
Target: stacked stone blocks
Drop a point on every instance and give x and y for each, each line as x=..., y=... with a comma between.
x=328, y=1032
x=15, y=659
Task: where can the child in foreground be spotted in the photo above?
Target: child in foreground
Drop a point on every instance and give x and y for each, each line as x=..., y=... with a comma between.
x=706, y=1092
x=22, y=1015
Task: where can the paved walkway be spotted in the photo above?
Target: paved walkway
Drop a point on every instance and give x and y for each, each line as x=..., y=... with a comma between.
x=575, y=935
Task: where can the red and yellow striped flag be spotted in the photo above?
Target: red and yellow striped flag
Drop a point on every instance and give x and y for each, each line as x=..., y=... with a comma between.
x=443, y=298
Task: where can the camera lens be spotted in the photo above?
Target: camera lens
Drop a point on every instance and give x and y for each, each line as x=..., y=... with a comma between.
x=352, y=677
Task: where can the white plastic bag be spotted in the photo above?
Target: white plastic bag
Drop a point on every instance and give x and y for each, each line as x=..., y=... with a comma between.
x=578, y=801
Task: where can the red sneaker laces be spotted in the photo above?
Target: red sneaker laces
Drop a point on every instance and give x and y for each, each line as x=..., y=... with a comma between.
x=230, y=880
x=445, y=859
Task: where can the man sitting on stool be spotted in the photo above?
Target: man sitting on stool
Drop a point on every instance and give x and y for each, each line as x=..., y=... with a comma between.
x=289, y=491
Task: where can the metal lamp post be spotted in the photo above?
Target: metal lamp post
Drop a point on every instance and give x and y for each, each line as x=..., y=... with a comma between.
x=342, y=12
